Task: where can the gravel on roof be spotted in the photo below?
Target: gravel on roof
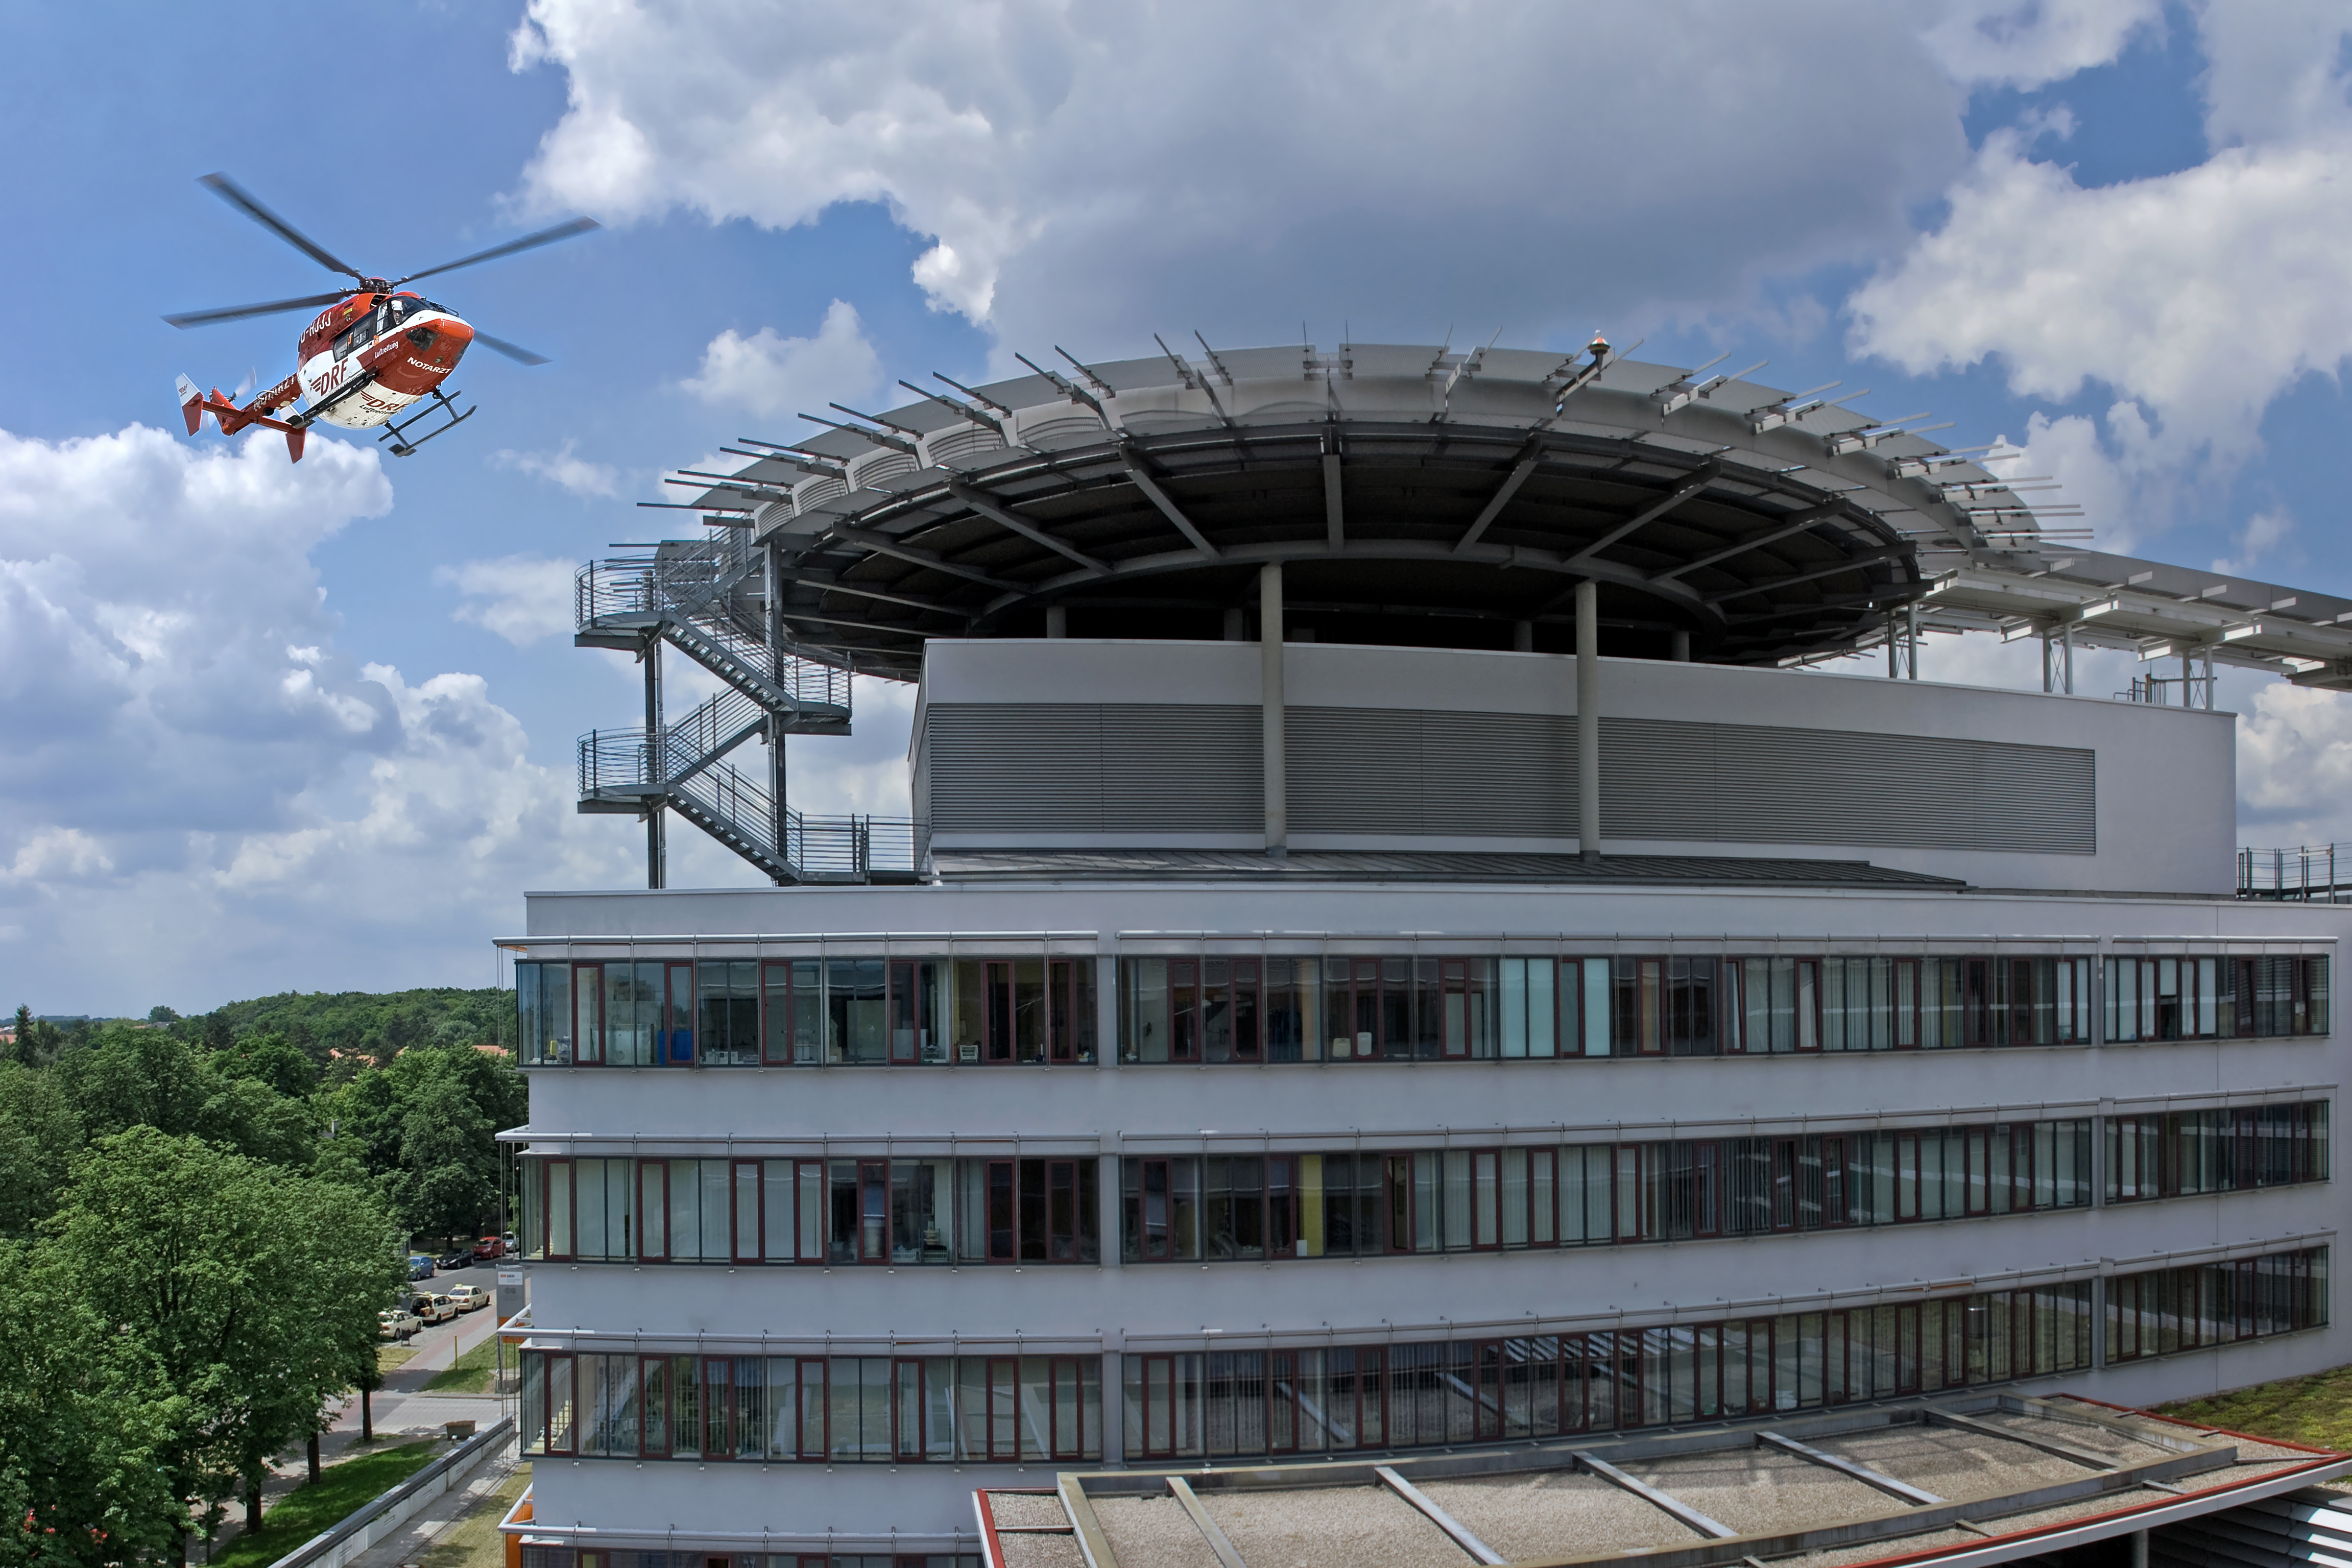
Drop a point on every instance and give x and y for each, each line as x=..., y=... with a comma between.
x=1956, y=1466
x=1758, y=1491
x=1331, y=1527
x=1153, y=1532
x=1548, y=1512
x=1030, y=1508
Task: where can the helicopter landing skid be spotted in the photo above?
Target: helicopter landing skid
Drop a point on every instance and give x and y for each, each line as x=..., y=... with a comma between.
x=397, y=432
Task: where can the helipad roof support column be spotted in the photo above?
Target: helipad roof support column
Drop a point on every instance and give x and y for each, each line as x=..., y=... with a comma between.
x=656, y=849
x=1270, y=701
x=1588, y=719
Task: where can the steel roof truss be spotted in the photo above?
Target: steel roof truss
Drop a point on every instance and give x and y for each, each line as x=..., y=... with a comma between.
x=1503, y=494
x=1159, y=498
x=988, y=506
x=1812, y=517
x=1707, y=474
x=883, y=544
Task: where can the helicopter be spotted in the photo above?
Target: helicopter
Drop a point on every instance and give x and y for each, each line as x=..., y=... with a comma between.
x=376, y=350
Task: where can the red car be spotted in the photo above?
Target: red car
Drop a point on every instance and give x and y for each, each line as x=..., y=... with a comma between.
x=490, y=1246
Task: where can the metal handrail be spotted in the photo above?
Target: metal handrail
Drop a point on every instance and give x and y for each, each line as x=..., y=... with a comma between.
x=692, y=586
x=2306, y=873
x=852, y=847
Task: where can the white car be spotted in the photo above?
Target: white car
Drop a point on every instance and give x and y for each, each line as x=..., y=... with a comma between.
x=469, y=1298
x=396, y=1324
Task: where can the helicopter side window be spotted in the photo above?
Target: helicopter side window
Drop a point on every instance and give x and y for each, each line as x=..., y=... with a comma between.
x=358, y=335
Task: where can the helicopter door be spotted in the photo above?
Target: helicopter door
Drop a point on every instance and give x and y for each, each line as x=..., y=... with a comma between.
x=359, y=334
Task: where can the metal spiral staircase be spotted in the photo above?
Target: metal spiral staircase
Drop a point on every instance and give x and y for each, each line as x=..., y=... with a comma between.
x=708, y=599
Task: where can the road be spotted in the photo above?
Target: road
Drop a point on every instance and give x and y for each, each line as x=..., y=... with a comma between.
x=402, y=1406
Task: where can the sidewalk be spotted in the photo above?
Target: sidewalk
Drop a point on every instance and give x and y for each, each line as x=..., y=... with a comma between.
x=404, y=1409
x=477, y=1495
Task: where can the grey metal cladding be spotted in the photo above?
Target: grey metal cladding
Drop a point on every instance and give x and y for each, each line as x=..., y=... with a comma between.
x=1094, y=767
x=1089, y=768
x=1732, y=783
x=1391, y=770
x=1190, y=768
x=1384, y=770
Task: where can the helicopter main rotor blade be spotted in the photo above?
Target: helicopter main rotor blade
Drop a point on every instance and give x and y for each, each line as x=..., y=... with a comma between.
x=237, y=196
x=528, y=242
x=239, y=312
x=514, y=352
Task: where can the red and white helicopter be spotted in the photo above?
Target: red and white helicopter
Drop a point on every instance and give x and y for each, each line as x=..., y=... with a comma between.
x=371, y=354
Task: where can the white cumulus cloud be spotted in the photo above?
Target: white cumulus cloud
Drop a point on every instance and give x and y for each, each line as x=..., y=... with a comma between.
x=564, y=469
x=207, y=796
x=522, y=597
x=769, y=375
x=2029, y=43
x=1087, y=174
x=2200, y=296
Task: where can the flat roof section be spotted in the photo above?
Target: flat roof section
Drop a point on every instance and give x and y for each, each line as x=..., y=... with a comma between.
x=1978, y=1477
x=1421, y=865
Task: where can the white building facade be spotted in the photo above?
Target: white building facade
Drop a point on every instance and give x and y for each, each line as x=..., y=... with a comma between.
x=1288, y=1045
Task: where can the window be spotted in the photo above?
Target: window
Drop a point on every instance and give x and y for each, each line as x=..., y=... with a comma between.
x=843, y=1409
x=779, y=1012
x=2191, y=1152
x=842, y=1211
x=2167, y=1309
x=1254, y=1207
x=1342, y=1398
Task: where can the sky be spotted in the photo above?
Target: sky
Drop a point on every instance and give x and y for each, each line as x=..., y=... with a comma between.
x=270, y=726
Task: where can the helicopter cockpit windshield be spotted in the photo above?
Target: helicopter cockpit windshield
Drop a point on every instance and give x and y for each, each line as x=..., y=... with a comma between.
x=385, y=318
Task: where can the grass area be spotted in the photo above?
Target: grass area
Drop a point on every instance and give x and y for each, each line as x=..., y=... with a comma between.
x=392, y=1358
x=472, y=1371
x=474, y=1541
x=308, y=1509
x=2316, y=1409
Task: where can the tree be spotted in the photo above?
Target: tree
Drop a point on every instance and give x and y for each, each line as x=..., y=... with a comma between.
x=447, y=1171
x=40, y=1134
x=273, y=1059
x=83, y=1411
x=22, y=1046
x=132, y=1077
x=250, y=1287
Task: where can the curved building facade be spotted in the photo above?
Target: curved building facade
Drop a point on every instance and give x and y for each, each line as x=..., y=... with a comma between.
x=1394, y=953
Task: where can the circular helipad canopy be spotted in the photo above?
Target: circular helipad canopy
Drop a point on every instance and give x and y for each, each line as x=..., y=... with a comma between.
x=1413, y=495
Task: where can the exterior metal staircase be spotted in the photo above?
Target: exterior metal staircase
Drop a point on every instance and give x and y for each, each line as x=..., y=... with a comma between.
x=707, y=600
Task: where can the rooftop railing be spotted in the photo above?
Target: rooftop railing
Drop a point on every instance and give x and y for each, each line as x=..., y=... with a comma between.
x=2309, y=873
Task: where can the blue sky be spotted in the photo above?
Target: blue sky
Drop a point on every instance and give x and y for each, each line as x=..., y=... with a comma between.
x=311, y=728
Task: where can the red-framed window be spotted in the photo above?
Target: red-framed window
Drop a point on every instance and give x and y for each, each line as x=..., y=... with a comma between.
x=748, y=1211
x=562, y=1406
x=812, y=1440
x=1485, y=1200
x=654, y=1436
x=907, y=1409
x=1157, y=1416
x=1004, y=1246
x=1283, y=1198
x=653, y=1210
x=1004, y=1413
x=1401, y=1202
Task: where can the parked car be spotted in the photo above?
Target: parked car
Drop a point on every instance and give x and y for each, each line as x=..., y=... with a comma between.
x=457, y=1258
x=395, y=1323
x=420, y=1267
x=490, y=1247
x=432, y=1307
x=469, y=1298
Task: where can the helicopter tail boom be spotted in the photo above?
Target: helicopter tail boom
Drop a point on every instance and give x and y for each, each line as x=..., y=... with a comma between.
x=195, y=405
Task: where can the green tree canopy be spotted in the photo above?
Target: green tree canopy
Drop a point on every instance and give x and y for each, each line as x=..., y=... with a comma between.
x=251, y=1288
